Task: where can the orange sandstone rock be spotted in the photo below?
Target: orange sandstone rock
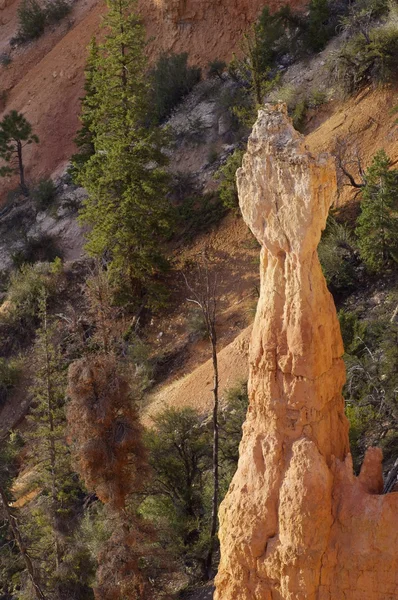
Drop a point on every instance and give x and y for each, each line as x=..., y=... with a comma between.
x=207, y=29
x=296, y=523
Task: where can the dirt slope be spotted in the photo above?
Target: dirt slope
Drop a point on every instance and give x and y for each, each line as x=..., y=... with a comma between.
x=195, y=389
x=365, y=120
x=45, y=79
x=45, y=82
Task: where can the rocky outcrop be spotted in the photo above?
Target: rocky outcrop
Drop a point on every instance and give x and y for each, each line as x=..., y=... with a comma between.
x=296, y=523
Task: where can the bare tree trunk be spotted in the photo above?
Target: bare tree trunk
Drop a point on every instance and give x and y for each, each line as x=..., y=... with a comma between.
x=21, y=167
x=22, y=548
x=206, y=300
x=214, y=513
x=52, y=451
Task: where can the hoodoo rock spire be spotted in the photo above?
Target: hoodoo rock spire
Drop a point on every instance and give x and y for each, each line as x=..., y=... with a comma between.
x=296, y=523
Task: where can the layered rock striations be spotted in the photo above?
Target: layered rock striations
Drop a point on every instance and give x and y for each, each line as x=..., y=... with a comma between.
x=296, y=523
x=207, y=29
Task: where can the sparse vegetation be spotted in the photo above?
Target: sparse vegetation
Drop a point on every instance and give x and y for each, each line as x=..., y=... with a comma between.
x=198, y=213
x=337, y=254
x=369, y=57
x=172, y=79
x=56, y=10
x=20, y=316
x=216, y=69
x=15, y=134
x=32, y=20
x=33, y=17
x=5, y=59
x=43, y=248
x=371, y=390
x=9, y=373
x=44, y=194
x=227, y=177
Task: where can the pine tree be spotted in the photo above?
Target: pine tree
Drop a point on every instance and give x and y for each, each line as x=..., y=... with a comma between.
x=51, y=458
x=127, y=207
x=15, y=134
x=85, y=138
x=377, y=228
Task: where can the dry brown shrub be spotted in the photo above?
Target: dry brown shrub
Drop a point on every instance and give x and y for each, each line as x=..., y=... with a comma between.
x=119, y=576
x=104, y=430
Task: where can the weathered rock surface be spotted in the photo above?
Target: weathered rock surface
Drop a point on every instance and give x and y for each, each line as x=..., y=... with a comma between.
x=296, y=523
x=207, y=29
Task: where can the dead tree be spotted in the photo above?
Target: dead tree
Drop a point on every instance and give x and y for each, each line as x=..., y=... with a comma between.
x=349, y=164
x=204, y=295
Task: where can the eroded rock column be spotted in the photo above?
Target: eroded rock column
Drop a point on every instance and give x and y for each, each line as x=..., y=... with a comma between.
x=296, y=524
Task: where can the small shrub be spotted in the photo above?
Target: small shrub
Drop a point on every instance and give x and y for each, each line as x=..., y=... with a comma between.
x=182, y=185
x=32, y=20
x=19, y=314
x=25, y=289
x=298, y=115
x=196, y=130
x=40, y=249
x=336, y=253
x=316, y=98
x=172, y=79
x=227, y=177
x=197, y=214
x=56, y=10
x=9, y=373
x=285, y=93
x=212, y=156
x=371, y=389
x=196, y=324
x=216, y=69
x=44, y=193
x=352, y=331
x=141, y=366
x=5, y=59
x=371, y=58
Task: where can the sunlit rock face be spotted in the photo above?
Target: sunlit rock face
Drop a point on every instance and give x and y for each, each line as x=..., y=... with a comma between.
x=296, y=523
x=206, y=29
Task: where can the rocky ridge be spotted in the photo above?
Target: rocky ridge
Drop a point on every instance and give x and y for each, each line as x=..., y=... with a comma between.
x=296, y=523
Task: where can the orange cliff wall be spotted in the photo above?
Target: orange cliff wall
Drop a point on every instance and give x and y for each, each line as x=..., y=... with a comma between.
x=296, y=523
x=206, y=29
x=45, y=79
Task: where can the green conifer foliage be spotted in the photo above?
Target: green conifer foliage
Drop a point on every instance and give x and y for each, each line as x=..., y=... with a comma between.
x=318, y=32
x=127, y=208
x=377, y=228
x=49, y=456
x=15, y=134
x=85, y=138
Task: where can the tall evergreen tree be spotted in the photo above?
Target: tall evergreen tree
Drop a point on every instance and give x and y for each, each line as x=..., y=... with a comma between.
x=127, y=208
x=85, y=138
x=48, y=520
x=377, y=228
